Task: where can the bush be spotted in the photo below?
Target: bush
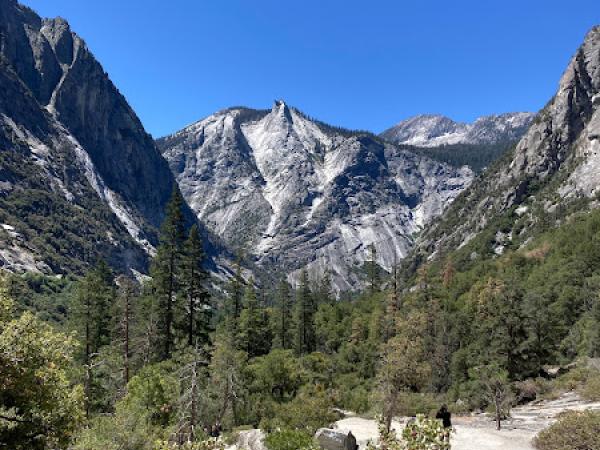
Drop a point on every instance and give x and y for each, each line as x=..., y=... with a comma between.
x=309, y=411
x=422, y=433
x=289, y=440
x=573, y=379
x=591, y=388
x=574, y=431
x=426, y=434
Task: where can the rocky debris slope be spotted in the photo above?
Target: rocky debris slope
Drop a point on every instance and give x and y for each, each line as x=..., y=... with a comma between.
x=430, y=130
x=554, y=165
x=294, y=192
x=79, y=176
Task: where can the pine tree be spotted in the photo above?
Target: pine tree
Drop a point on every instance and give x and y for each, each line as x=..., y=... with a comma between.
x=234, y=305
x=128, y=294
x=164, y=271
x=196, y=320
x=305, y=311
x=372, y=270
x=392, y=306
x=253, y=335
x=92, y=318
x=325, y=295
x=283, y=317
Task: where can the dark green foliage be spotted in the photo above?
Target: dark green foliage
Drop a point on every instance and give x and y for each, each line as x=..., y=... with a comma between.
x=282, y=317
x=195, y=320
x=476, y=156
x=304, y=317
x=254, y=335
x=234, y=300
x=49, y=297
x=92, y=310
x=69, y=236
x=289, y=440
x=165, y=271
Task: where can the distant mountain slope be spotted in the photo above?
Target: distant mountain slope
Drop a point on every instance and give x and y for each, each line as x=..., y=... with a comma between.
x=79, y=176
x=553, y=172
x=297, y=193
x=476, y=144
x=476, y=156
x=430, y=130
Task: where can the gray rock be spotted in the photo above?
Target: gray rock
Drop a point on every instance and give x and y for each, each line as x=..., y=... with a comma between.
x=429, y=130
x=296, y=193
x=329, y=439
x=560, y=144
x=71, y=135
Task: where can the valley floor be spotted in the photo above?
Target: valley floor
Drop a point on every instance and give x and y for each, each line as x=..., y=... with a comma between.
x=478, y=432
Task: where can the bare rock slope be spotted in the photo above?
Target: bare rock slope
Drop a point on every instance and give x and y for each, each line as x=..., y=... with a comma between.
x=294, y=192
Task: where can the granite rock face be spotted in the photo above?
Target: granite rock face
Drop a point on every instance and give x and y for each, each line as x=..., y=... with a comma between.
x=295, y=193
x=68, y=136
x=555, y=163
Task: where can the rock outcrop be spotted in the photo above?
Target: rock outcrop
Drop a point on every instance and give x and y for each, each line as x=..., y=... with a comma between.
x=295, y=193
x=555, y=165
x=79, y=176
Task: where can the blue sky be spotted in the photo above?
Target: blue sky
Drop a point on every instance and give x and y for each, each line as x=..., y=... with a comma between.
x=358, y=64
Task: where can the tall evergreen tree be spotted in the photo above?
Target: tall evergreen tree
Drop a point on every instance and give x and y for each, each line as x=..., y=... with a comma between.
x=196, y=320
x=235, y=296
x=253, y=335
x=92, y=318
x=165, y=269
x=305, y=311
x=372, y=269
x=283, y=317
x=325, y=296
x=128, y=294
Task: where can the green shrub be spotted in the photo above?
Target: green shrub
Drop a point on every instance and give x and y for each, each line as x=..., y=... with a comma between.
x=573, y=379
x=309, y=411
x=421, y=434
x=426, y=434
x=287, y=439
x=591, y=388
x=574, y=431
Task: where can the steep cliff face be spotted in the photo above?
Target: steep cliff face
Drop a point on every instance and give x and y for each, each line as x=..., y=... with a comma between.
x=297, y=193
x=552, y=172
x=79, y=176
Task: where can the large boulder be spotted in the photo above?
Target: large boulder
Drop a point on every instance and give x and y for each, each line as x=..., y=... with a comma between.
x=249, y=440
x=329, y=439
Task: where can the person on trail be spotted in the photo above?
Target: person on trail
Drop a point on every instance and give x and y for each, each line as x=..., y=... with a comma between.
x=444, y=415
x=215, y=432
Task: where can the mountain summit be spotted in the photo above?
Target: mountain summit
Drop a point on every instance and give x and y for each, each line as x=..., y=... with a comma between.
x=79, y=176
x=430, y=130
x=296, y=193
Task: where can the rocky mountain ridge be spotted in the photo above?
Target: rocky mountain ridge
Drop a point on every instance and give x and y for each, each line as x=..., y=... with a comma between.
x=79, y=176
x=293, y=192
x=551, y=174
x=431, y=130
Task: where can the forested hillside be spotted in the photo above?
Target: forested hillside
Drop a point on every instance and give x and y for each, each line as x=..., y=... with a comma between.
x=165, y=362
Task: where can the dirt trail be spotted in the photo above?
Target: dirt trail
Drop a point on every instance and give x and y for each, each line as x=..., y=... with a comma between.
x=478, y=432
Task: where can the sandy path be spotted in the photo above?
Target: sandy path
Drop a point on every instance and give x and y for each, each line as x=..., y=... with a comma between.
x=478, y=432
x=477, y=438
x=466, y=437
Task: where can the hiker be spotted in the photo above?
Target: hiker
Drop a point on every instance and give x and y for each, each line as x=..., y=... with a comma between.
x=444, y=415
x=215, y=431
